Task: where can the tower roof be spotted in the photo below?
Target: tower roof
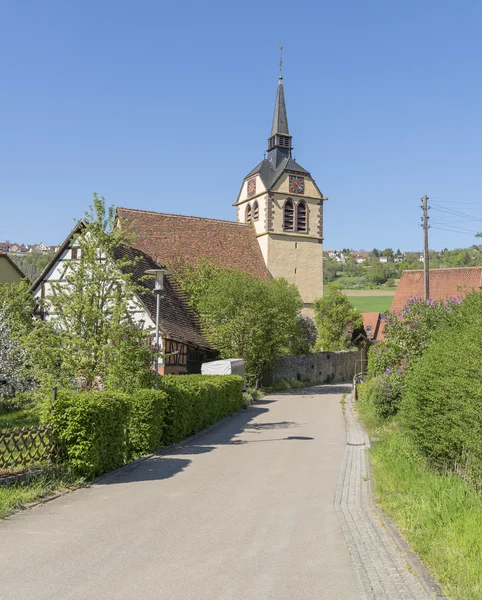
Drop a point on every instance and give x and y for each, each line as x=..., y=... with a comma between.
x=280, y=117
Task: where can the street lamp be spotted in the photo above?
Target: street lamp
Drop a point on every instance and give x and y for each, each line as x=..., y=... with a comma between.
x=158, y=287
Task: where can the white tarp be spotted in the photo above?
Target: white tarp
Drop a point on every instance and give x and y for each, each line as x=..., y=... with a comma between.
x=230, y=366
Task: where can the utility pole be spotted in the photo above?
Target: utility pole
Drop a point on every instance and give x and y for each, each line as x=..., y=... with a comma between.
x=425, y=225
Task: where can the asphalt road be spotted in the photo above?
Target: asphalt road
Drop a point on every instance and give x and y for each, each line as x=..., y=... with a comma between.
x=242, y=511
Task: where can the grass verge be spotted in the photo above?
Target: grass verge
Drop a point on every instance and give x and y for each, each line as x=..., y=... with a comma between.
x=17, y=419
x=371, y=303
x=440, y=515
x=18, y=495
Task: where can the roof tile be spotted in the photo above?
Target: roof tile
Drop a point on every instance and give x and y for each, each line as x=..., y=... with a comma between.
x=444, y=283
x=174, y=239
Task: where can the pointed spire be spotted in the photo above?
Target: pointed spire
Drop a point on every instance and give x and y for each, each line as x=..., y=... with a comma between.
x=280, y=118
x=279, y=142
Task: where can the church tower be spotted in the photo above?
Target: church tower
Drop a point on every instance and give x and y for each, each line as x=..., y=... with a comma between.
x=283, y=203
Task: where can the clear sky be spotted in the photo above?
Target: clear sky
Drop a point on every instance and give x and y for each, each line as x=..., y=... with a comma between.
x=166, y=106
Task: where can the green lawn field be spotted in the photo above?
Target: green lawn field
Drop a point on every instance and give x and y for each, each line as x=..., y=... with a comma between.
x=371, y=303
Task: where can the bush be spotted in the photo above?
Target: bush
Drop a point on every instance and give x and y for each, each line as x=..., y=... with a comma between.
x=196, y=401
x=442, y=403
x=147, y=412
x=383, y=393
x=100, y=431
x=91, y=429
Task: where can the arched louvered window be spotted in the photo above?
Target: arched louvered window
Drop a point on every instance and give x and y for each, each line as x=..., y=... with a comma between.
x=289, y=215
x=301, y=217
x=255, y=211
x=248, y=213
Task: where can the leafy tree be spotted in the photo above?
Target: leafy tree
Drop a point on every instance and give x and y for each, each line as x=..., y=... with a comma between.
x=90, y=309
x=378, y=273
x=18, y=306
x=375, y=252
x=306, y=336
x=330, y=269
x=244, y=316
x=12, y=356
x=336, y=320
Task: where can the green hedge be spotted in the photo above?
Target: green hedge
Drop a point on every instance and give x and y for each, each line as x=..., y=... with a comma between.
x=196, y=401
x=147, y=411
x=91, y=429
x=441, y=407
x=100, y=431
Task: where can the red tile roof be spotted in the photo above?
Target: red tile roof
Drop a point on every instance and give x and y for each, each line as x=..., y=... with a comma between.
x=444, y=283
x=373, y=324
x=174, y=239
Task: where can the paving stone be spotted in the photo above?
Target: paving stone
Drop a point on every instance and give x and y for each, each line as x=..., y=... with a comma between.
x=381, y=565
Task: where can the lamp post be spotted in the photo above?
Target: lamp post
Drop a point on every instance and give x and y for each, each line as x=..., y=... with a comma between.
x=158, y=287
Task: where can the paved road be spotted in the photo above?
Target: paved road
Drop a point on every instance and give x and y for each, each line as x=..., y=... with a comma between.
x=242, y=511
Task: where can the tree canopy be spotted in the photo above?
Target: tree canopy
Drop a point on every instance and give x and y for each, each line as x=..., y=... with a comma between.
x=337, y=321
x=245, y=317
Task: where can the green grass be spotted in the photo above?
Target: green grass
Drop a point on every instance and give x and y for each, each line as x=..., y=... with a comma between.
x=16, y=496
x=440, y=515
x=371, y=303
x=17, y=419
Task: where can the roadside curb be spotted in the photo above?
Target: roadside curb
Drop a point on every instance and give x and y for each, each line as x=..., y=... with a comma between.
x=386, y=566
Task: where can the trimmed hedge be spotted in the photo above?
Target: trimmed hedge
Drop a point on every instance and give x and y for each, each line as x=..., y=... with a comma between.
x=100, y=431
x=197, y=401
x=91, y=429
x=147, y=411
x=441, y=407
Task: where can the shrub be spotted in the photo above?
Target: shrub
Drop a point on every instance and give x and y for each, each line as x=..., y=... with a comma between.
x=147, y=412
x=408, y=334
x=383, y=393
x=196, y=401
x=442, y=404
x=91, y=429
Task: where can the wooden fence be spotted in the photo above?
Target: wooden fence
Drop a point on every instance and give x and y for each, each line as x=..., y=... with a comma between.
x=25, y=448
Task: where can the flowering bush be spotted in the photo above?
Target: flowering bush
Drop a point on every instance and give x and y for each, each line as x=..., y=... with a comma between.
x=13, y=378
x=407, y=335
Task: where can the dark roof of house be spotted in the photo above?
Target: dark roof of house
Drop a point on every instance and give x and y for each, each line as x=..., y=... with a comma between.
x=444, y=283
x=12, y=263
x=269, y=175
x=177, y=321
x=174, y=240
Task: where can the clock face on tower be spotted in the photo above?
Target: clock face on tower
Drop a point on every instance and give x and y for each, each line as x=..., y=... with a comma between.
x=297, y=184
x=252, y=187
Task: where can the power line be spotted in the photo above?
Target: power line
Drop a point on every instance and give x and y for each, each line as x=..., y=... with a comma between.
x=471, y=233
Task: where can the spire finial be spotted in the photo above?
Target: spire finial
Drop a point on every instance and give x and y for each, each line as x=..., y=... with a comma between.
x=281, y=62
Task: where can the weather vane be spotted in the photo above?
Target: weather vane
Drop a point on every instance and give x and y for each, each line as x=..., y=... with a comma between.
x=280, y=62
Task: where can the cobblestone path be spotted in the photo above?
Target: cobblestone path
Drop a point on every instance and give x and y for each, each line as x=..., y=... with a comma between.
x=386, y=568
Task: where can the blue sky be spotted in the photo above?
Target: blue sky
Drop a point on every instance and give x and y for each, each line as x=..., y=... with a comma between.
x=167, y=106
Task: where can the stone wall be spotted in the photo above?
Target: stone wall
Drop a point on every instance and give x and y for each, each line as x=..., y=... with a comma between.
x=322, y=367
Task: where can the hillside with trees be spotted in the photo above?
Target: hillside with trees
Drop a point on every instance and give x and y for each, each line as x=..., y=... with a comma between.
x=381, y=268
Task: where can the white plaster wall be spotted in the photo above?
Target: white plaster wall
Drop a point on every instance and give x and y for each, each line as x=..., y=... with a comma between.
x=55, y=275
x=263, y=244
x=260, y=189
